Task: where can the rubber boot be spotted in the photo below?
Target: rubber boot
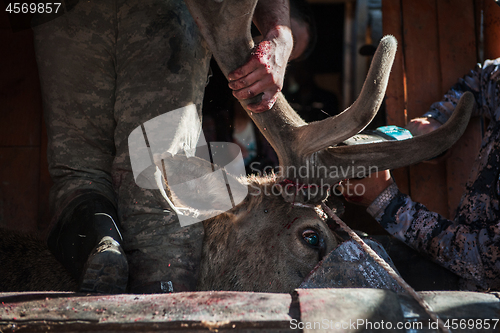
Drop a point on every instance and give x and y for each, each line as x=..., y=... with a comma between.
x=86, y=240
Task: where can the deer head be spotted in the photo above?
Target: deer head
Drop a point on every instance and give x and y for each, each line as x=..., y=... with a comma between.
x=271, y=242
x=262, y=244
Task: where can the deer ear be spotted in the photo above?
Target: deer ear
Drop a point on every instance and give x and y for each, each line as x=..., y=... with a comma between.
x=200, y=189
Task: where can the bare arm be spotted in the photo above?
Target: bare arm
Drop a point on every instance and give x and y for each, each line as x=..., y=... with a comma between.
x=265, y=70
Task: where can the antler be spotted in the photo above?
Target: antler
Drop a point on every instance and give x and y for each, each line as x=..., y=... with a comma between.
x=395, y=154
x=225, y=24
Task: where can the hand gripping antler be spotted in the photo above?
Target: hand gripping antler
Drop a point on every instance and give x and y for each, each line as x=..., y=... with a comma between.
x=225, y=25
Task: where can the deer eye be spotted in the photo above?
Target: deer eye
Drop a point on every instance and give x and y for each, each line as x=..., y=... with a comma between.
x=311, y=237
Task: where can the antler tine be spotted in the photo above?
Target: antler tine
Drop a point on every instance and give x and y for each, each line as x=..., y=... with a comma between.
x=328, y=132
x=361, y=160
x=231, y=44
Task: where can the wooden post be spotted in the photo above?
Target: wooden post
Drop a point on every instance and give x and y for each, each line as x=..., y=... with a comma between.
x=392, y=22
x=20, y=128
x=457, y=58
x=434, y=56
x=491, y=29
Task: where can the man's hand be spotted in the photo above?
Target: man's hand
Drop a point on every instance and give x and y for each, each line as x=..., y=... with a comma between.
x=365, y=191
x=265, y=71
x=420, y=126
x=424, y=125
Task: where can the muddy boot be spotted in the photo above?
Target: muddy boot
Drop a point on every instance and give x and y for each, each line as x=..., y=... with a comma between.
x=86, y=240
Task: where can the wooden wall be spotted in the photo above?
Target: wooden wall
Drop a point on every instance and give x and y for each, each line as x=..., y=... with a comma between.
x=439, y=41
x=24, y=179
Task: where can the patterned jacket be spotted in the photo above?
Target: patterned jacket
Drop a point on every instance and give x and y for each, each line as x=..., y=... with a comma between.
x=469, y=245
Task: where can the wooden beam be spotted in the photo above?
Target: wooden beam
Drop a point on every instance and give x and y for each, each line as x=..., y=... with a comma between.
x=491, y=29
x=20, y=129
x=423, y=81
x=186, y=312
x=395, y=96
x=20, y=100
x=336, y=310
x=457, y=57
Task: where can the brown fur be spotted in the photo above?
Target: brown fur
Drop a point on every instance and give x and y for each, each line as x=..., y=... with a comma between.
x=26, y=264
x=258, y=245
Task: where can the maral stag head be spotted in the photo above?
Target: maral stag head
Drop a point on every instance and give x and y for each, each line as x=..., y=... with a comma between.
x=271, y=242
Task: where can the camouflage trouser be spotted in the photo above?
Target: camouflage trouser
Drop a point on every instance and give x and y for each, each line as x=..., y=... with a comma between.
x=106, y=67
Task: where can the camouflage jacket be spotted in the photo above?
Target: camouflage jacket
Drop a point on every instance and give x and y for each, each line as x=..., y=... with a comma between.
x=469, y=245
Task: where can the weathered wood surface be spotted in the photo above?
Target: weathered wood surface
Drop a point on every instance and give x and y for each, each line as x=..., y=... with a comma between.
x=396, y=90
x=24, y=178
x=491, y=12
x=422, y=72
x=375, y=310
x=437, y=45
x=187, y=312
x=458, y=55
x=240, y=311
x=471, y=310
x=347, y=308
x=463, y=304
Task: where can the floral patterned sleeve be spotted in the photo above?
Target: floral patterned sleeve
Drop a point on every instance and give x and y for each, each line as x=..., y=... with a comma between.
x=470, y=251
x=469, y=245
x=473, y=82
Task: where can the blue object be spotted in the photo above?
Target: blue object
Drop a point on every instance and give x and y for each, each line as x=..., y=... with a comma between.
x=395, y=132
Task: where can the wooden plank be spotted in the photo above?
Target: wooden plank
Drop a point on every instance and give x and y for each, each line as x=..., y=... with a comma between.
x=395, y=95
x=458, y=56
x=452, y=306
x=20, y=106
x=20, y=101
x=350, y=307
x=457, y=51
x=464, y=304
x=422, y=61
x=189, y=311
x=421, y=49
x=335, y=310
x=491, y=30
x=19, y=179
